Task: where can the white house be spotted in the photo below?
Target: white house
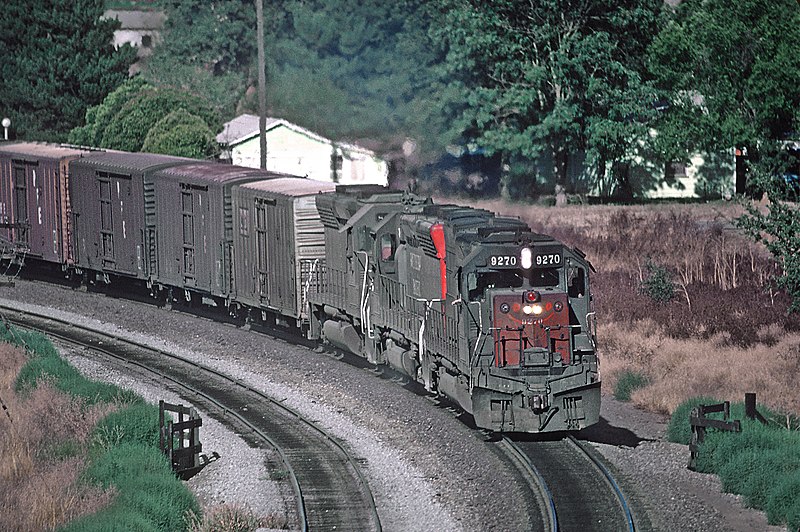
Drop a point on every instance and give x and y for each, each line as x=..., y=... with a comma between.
x=141, y=28
x=295, y=150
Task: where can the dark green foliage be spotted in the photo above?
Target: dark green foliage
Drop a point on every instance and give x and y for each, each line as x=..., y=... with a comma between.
x=732, y=73
x=181, y=133
x=100, y=116
x=658, y=285
x=135, y=424
x=58, y=60
x=130, y=126
x=629, y=382
x=679, y=430
x=777, y=227
x=571, y=81
x=150, y=497
x=762, y=462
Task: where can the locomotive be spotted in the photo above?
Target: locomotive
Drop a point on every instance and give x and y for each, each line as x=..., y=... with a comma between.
x=472, y=305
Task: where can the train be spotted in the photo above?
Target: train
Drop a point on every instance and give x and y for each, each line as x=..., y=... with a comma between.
x=473, y=306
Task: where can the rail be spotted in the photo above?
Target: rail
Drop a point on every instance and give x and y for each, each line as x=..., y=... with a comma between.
x=71, y=330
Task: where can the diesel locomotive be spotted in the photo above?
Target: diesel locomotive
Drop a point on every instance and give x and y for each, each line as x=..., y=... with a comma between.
x=472, y=305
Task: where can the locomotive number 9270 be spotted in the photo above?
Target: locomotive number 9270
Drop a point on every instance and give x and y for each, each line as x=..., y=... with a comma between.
x=511, y=261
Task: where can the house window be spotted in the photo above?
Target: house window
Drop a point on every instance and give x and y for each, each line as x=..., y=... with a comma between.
x=337, y=162
x=147, y=41
x=675, y=171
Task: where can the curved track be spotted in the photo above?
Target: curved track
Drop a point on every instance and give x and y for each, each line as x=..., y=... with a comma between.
x=580, y=493
x=331, y=492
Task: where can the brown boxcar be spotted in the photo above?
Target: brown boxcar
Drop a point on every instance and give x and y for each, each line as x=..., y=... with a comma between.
x=34, y=185
x=279, y=242
x=193, y=205
x=114, y=215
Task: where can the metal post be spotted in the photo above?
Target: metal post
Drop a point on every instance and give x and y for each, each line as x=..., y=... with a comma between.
x=262, y=84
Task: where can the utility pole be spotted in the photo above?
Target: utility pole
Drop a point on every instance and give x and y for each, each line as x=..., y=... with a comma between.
x=262, y=84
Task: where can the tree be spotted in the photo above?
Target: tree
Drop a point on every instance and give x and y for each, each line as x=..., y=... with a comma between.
x=534, y=79
x=208, y=48
x=99, y=116
x=777, y=225
x=129, y=127
x=732, y=72
x=58, y=60
x=181, y=133
x=125, y=119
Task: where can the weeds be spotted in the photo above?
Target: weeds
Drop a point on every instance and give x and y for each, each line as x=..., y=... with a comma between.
x=233, y=518
x=629, y=382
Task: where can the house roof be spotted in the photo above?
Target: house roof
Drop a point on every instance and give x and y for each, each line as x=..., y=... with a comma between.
x=245, y=126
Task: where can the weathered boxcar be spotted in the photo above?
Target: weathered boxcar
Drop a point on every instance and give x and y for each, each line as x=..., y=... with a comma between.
x=474, y=306
x=196, y=225
x=34, y=199
x=279, y=243
x=113, y=205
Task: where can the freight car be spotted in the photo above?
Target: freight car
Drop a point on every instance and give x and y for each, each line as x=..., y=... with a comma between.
x=34, y=200
x=474, y=306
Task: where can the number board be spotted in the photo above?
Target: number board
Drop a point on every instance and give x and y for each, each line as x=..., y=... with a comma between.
x=547, y=258
x=542, y=258
x=503, y=261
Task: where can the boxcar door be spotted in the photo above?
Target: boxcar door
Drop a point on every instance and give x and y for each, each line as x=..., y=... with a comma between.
x=21, y=206
x=262, y=251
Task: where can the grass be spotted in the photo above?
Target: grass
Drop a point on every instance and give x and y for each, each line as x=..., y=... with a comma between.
x=762, y=463
x=628, y=382
x=79, y=455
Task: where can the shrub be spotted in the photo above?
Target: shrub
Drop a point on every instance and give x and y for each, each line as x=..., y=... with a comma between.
x=658, y=284
x=629, y=382
x=679, y=430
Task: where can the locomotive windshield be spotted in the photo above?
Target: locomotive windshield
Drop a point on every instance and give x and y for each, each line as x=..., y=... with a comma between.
x=511, y=278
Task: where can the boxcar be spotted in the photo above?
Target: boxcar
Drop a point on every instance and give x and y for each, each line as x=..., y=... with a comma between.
x=279, y=243
x=34, y=181
x=195, y=216
x=114, y=212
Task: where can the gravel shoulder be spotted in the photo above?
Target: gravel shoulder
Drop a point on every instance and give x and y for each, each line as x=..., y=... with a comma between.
x=427, y=469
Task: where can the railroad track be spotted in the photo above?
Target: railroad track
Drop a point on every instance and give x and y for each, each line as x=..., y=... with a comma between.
x=576, y=491
x=330, y=490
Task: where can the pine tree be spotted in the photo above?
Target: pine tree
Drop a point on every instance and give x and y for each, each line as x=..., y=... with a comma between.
x=58, y=59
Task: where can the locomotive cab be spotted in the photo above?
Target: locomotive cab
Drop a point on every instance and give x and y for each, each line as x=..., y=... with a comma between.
x=535, y=359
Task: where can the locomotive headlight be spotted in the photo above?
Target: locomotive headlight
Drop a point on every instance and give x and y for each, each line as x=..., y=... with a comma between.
x=526, y=258
x=533, y=309
x=504, y=308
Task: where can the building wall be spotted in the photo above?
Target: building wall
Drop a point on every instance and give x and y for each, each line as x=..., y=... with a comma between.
x=295, y=153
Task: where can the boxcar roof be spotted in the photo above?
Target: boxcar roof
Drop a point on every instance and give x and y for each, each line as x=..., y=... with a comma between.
x=292, y=186
x=41, y=149
x=124, y=161
x=216, y=172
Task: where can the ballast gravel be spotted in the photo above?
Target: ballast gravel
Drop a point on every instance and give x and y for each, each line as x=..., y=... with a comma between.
x=427, y=469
